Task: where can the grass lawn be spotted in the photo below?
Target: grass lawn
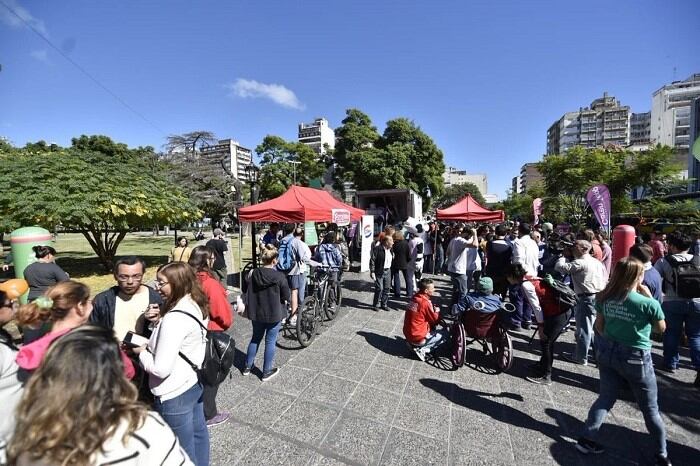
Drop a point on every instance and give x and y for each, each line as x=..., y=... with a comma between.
x=77, y=258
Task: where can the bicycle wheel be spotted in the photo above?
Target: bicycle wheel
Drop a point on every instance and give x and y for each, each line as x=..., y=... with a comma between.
x=332, y=302
x=307, y=321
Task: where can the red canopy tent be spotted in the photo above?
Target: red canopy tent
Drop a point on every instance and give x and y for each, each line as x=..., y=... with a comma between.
x=469, y=210
x=298, y=204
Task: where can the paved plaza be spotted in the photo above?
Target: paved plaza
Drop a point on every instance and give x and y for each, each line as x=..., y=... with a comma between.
x=358, y=396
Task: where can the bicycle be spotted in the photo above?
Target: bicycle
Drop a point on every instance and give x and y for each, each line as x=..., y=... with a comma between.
x=324, y=300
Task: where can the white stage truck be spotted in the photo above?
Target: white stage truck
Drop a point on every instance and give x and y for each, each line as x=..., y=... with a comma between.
x=390, y=206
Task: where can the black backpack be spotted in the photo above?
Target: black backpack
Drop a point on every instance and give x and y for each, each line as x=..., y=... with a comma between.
x=218, y=359
x=686, y=276
x=566, y=297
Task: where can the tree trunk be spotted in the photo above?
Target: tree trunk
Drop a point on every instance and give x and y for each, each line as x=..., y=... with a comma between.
x=103, y=243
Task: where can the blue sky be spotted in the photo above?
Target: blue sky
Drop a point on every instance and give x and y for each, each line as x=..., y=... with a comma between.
x=485, y=79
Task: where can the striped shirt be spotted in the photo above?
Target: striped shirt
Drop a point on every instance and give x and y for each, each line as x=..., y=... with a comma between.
x=154, y=443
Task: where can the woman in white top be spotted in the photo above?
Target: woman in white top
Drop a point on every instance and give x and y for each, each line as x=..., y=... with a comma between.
x=78, y=408
x=178, y=341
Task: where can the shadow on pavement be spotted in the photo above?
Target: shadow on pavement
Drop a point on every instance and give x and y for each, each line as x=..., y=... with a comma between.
x=622, y=444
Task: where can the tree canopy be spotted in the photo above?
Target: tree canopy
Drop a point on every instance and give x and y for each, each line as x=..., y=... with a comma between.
x=457, y=192
x=402, y=157
x=97, y=186
x=568, y=176
x=278, y=170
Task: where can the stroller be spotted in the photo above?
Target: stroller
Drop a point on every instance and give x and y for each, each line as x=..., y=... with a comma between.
x=486, y=329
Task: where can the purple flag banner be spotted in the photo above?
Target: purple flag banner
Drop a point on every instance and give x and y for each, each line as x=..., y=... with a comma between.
x=598, y=198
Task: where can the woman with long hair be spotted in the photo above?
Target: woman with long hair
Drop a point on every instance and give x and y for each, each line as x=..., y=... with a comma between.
x=220, y=319
x=176, y=347
x=62, y=308
x=78, y=408
x=265, y=299
x=626, y=313
x=181, y=252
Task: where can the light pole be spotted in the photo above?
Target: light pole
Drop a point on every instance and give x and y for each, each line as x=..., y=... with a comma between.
x=252, y=174
x=294, y=170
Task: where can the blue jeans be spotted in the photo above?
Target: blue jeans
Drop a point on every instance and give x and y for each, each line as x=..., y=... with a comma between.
x=679, y=312
x=270, y=331
x=523, y=311
x=434, y=339
x=382, y=283
x=619, y=363
x=185, y=416
x=460, y=286
x=585, y=316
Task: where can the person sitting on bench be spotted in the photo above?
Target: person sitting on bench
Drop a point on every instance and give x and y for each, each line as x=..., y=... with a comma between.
x=420, y=321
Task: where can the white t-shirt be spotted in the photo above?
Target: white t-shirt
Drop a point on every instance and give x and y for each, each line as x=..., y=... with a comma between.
x=10, y=393
x=526, y=253
x=127, y=312
x=462, y=257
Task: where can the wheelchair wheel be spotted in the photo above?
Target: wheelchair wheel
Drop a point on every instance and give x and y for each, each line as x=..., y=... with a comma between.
x=459, y=346
x=307, y=321
x=503, y=351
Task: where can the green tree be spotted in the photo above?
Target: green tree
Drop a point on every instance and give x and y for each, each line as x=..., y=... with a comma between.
x=102, y=194
x=402, y=157
x=278, y=170
x=456, y=192
x=568, y=176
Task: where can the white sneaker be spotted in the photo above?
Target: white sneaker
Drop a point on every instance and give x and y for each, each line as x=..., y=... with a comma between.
x=292, y=320
x=420, y=352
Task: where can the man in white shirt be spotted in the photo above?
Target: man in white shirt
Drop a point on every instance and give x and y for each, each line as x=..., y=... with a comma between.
x=588, y=277
x=526, y=252
x=462, y=261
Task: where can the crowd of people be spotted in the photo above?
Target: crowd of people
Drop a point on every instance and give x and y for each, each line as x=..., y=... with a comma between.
x=95, y=378
x=656, y=288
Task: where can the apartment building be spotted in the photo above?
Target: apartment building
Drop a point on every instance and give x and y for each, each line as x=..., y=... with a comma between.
x=317, y=135
x=226, y=152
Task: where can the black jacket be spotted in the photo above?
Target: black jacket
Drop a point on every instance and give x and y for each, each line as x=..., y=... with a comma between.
x=376, y=259
x=266, y=293
x=402, y=255
x=104, y=304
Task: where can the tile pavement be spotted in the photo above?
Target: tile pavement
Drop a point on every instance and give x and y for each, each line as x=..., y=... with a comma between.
x=357, y=396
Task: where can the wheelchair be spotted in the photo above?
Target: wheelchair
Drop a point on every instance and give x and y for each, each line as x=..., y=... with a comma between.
x=487, y=330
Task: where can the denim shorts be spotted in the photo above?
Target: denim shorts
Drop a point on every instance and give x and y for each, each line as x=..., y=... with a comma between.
x=296, y=281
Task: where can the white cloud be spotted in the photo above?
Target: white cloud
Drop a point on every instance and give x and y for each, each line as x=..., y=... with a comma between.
x=248, y=88
x=41, y=55
x=26, y=18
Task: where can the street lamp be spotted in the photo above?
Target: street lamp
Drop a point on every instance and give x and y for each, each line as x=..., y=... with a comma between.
x=251, y=172
x=294, y=170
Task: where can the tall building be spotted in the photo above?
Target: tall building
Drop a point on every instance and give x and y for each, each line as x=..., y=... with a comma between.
x=515, y=185
x=452, y=176
x=693, y=163
x=640, y=131
x=228, y=152
x=605, y=122
x=529, y=175
x=317, y=135
x=670, y=112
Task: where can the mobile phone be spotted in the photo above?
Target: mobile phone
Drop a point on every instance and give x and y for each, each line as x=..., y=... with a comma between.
x=134, y=340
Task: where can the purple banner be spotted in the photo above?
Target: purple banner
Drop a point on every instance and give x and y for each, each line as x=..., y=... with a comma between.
x=598, y=198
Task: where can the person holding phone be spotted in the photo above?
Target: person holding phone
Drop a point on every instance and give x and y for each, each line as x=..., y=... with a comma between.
x=626, y=313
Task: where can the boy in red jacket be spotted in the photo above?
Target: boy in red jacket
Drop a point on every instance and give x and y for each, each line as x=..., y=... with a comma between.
x=420, y=320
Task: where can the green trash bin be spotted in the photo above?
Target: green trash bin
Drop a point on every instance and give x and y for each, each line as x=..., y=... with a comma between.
x=22, y=240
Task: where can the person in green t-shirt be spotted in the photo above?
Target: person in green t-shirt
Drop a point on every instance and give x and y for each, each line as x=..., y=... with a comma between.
x=626, y=314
